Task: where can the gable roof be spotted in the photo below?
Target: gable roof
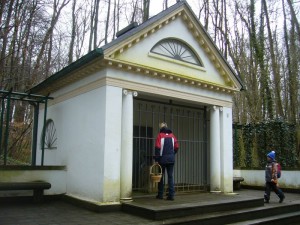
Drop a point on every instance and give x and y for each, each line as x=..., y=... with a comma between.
x=81, y=67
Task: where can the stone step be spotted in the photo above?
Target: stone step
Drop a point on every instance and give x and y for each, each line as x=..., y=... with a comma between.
x=213, y=209
x=289, y=214
x=291, y=218
x=163, y=211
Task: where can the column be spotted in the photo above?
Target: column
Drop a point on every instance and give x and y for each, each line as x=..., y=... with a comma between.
x=215, y=156
x=127, y=145
x=226, y=150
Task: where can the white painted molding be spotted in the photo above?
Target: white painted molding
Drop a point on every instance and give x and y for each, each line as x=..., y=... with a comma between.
x=128, y=85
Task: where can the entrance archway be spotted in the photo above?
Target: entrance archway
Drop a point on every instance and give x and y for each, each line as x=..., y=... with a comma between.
x=189, y=124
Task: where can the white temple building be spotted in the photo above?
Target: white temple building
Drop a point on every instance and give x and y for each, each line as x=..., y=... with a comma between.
x=107, y=106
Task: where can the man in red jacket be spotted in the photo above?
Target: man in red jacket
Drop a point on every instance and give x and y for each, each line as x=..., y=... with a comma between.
x=166, y=146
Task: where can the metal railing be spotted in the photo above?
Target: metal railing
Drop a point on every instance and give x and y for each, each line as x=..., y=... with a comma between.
x=8, y=108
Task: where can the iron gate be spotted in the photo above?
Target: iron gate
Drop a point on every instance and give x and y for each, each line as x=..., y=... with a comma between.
x=189, y=124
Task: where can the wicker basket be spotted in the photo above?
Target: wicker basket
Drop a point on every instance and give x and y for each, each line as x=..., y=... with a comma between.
x=155, y=176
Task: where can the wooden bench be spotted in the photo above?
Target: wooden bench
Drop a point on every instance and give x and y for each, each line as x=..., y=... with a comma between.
x=237, y=182
x=38, y=188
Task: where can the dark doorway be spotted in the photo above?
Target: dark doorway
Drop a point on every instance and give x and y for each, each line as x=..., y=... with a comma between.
x=142, y=156
x=189, y=124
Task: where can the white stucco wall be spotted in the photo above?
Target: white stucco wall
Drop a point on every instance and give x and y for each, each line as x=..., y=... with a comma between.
x=289, y=179
x=88, y=141
x=92, y=154
x=112, y=145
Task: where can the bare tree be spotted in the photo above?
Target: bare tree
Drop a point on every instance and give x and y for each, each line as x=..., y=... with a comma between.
x=292, y=65
x=259, y=49
x=135, y=11
x=96, y=20
x=26, y=49
x=5, y=29
x=251, y=80
x=165, y=4
x=294, y=18
x=57, y=8
x=73, y=32
x=115, y=17
x=204, y=8
x=107, y=21
x=146, y=9
x=82, y=26
x=274, y=64
x=92, y=16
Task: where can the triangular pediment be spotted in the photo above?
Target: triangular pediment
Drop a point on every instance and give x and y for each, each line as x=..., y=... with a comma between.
x=133, y=52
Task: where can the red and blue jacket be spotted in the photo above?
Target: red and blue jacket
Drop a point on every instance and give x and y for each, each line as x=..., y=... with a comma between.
x=166, y=146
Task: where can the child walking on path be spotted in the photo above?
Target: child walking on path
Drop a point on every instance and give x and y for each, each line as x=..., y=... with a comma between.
x=271, y=178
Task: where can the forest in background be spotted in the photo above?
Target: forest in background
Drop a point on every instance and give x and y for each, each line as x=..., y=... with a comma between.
x=259, y=38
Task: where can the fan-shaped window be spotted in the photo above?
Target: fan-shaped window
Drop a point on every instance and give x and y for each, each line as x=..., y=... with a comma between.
x=176, y=49
x=50, y=135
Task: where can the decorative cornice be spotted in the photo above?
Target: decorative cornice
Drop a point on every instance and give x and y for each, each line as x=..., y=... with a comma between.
x=159, y=74
x=142, y=88
x=138, y=88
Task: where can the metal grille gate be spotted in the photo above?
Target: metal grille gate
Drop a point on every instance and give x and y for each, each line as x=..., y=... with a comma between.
x=189, y=125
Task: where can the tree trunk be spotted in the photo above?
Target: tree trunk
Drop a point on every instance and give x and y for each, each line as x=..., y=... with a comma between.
x=93, y=9
x=146, y=9
x=258, y=47
x=96, y=23
x=289, y=66
x=73, y=33
x=26, y=54
x=274, y=65
x=253, y=99
x=134, y=13
x=293, y=57
x=107, y=21
x=6, y=30
x=294, y=19
x=165, y=4
x=56, y=13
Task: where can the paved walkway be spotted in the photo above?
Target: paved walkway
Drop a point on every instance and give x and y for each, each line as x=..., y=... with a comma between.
x=62, y=213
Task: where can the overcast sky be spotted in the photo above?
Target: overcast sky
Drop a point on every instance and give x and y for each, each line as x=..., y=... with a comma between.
x=156, y=6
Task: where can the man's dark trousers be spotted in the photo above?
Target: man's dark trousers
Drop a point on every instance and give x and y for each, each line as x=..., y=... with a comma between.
x=170, y=169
